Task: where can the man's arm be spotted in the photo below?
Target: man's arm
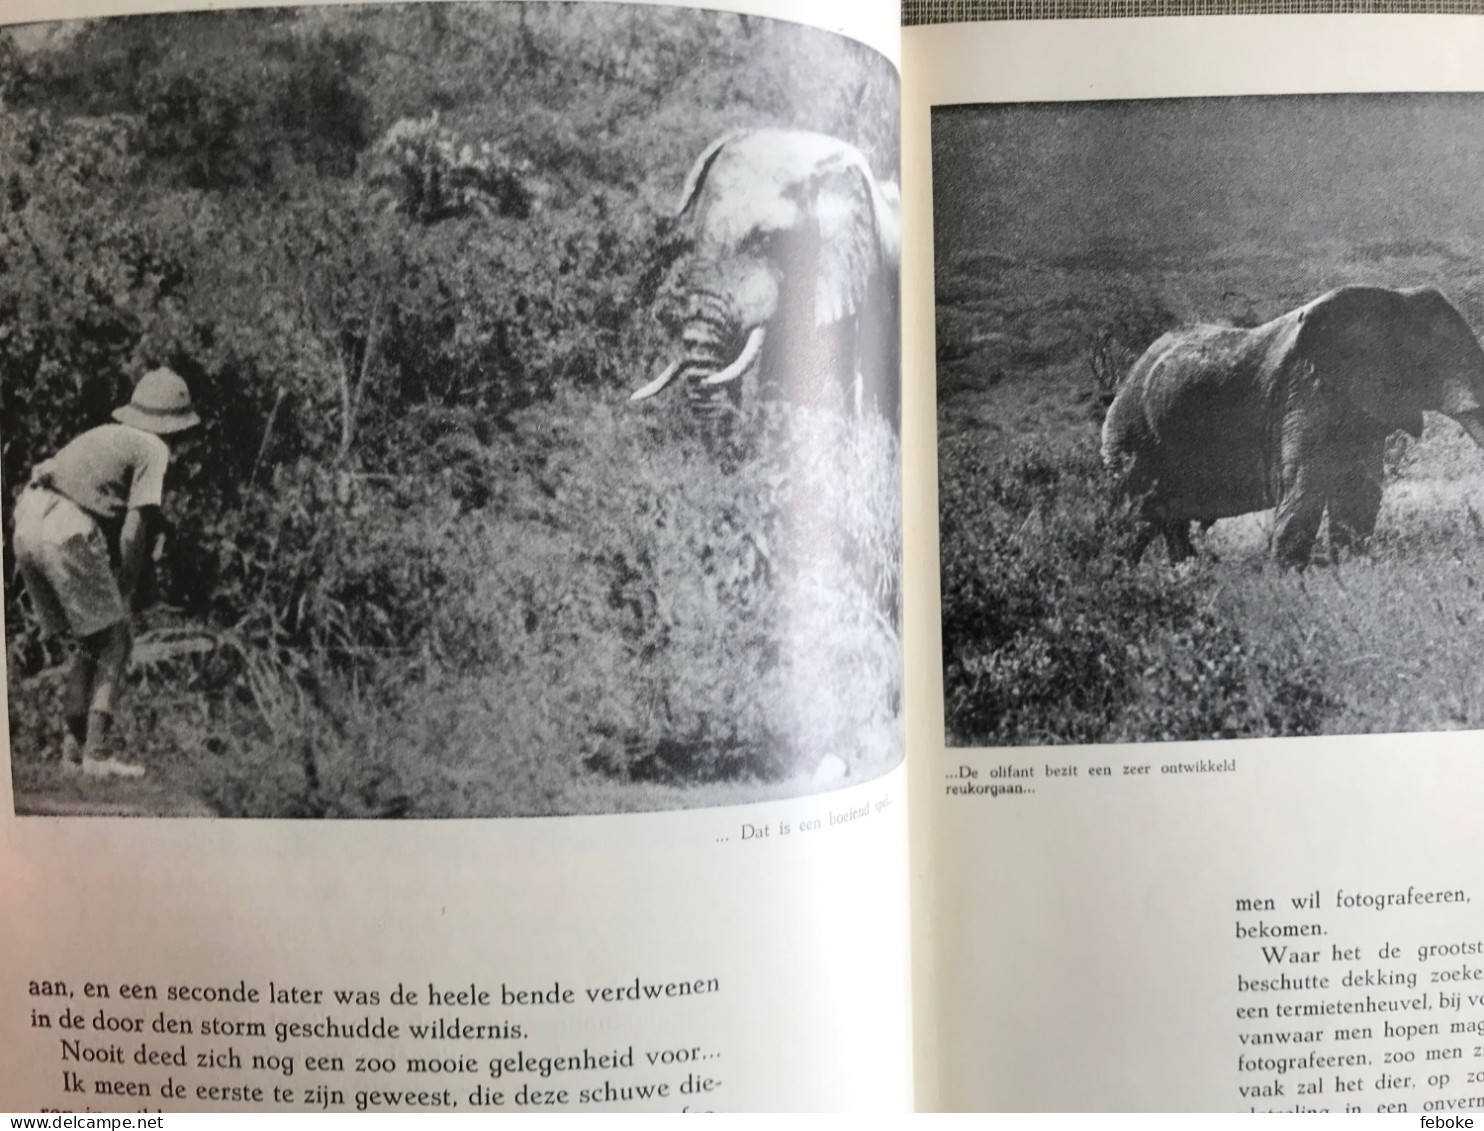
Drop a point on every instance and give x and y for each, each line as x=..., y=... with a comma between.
x=134, y=554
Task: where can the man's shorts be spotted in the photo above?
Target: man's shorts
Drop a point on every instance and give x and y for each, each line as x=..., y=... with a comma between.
x=62, y=557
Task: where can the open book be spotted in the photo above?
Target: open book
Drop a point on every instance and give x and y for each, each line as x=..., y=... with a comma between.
x=581, y=657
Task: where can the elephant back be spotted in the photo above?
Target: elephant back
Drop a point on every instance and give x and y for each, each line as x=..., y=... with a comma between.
x=1190, y=431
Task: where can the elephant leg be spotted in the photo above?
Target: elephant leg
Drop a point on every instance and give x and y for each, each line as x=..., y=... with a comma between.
x=1145, y=535
x=1355, y=492
x=1296, y=523
x=1306, y=462
x=1177, y=541
x=1352, y=517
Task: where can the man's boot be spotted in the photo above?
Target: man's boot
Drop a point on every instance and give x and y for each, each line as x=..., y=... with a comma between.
x=73, y=737
x=95, y=760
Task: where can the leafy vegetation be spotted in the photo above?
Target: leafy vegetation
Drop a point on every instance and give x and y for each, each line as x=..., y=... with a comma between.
x=407, y=257
x=1050, y=636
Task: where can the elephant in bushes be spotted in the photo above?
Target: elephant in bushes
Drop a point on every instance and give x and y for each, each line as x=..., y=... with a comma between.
x=1214, y=421
x=788, y=286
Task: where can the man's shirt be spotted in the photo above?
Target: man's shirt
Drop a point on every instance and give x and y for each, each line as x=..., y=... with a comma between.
x=109, y=471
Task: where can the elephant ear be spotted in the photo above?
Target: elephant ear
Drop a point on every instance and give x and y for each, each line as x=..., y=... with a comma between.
x=1358, y=341
x=698, y=172
x=859, y=235
x=889, y=222
x=738, y=190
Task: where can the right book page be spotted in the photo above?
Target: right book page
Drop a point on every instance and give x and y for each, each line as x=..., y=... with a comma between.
x=1196, y=562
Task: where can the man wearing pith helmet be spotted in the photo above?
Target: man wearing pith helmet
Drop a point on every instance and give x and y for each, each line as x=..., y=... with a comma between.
x=84, y=525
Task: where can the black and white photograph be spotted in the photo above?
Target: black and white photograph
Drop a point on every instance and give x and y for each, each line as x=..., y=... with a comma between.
x=1210, y=417
x=447, y=410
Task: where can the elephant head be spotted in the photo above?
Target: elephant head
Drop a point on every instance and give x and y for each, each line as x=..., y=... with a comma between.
x=789, y=285
x=1214, y=421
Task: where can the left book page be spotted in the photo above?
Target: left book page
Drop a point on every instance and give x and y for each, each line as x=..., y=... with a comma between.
x=483, y=416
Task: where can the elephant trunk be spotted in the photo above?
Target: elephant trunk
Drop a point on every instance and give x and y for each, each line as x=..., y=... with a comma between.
x=1473, y=424
x=717, y=350
x=750, y=351
x=713, y=372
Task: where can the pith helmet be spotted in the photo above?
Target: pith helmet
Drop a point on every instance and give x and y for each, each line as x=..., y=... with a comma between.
x=161, y=404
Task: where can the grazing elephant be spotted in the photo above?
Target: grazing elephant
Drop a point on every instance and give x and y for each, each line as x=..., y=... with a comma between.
x=789, y=285
x=1214, y=421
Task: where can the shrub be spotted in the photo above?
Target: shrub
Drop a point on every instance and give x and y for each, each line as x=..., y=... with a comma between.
x=721, y=591
x=1050, y=636
x=626, y=608
x=1126, y=330
x=427, y=173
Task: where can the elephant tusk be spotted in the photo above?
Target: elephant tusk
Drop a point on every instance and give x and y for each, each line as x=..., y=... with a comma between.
x=657, y=384
x=744, y=360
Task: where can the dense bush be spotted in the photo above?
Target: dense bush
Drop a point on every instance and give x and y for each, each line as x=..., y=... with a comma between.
x=1050, y=635
x=632, y=611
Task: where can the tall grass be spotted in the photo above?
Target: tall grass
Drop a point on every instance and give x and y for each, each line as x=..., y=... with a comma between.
x=629, y=622
x=1051, y=636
